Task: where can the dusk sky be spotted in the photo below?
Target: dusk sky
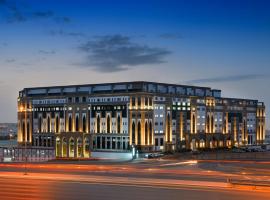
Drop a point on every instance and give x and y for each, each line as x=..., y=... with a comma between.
x=220, y=44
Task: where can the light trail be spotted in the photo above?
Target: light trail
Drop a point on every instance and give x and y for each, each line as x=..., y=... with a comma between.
x=190, y=162
x=235, y=161
x=127, y=169
x=176, y=176
x=123, y=169
x=144, y=182
x=42, y=189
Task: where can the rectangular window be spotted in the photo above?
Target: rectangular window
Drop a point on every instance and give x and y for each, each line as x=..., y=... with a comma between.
x=103, y=142
x=133, y=101
x=161, y=141
x=139, y=101
x=146, y=101
x=156, y=142
x=98, y=142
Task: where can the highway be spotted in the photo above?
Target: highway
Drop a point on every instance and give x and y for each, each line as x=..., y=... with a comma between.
x=153, y=179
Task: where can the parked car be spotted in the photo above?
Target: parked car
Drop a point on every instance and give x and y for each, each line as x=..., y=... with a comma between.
x=149, y=156
x=153, y=155
x=195, y=152
x=254, y=148
x=235, y=150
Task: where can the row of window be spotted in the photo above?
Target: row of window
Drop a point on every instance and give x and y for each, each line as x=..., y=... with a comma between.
x=147, y=101
x=113, y=123
x=109, y=99
x=111, y=143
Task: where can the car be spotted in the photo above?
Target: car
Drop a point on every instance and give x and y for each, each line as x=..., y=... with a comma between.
x=158, y=155
x=195, y=152
x=149, y=156
x=153, y=155
x=260, y=150
x=254, y=149
x=238, y=150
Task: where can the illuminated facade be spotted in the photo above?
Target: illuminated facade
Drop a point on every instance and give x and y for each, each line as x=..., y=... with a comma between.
x=76, y=120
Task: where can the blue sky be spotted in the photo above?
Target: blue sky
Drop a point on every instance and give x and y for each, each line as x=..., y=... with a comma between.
x=220, y=44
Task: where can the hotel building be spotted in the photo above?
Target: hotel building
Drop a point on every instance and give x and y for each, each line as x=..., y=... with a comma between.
x=79, y=119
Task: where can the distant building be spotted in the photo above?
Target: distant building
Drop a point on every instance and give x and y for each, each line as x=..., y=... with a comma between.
x=77, y=120
x=7, y=129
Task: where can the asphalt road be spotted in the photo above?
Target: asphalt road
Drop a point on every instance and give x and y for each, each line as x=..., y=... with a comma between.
x=27, y=188
x=138, y=180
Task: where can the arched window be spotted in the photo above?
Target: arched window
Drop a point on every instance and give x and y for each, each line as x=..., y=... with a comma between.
x=70, y=123
x=86, y=147
x=77, y=123
x=245, y=128
x=202, y=143
x=23, y=131
x=79, y=148
x=146, y=133
x=262, y=132
x=151, y=133
x=28, y=132
x=98, y=124
x=39, y=125
x=71, y=147
x=139, y=101
x=84, y=124
x=118, y=124
x=133, y=101
x=213, y=124
x=57, y=124
x=48, y=124
x=225, y=126
x=139, y=133
x=208, y=124
x=168, y=128
x=193, y=124
x=64, y=147
x=133, y=133
x=57, y=147
x=146, y=101
x=108, y=124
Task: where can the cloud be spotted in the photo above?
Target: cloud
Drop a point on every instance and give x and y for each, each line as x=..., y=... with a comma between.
x=171, y=36
x=43, y=14
x=4, y=44
x=46, y=52
x=234, y=78
x=17, y=13
x=10, y=60
x=66, y=33
x=113, y=53
x=62, y=20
